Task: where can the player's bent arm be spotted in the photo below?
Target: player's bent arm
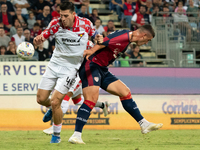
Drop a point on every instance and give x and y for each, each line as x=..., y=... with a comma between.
x=92, y=50
x=50, y=30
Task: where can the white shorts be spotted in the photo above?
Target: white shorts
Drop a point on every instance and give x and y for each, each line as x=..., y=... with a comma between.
x=76, y=88
x=58, y=77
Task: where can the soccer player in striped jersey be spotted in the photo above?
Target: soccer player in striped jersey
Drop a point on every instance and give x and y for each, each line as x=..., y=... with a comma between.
x=75, y=92
x=94, y=74
x=71, y=35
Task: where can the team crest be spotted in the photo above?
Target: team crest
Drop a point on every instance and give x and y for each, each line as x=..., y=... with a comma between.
x=96, y=79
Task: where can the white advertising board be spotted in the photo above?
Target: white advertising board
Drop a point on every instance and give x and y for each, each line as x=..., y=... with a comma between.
x=20, y=77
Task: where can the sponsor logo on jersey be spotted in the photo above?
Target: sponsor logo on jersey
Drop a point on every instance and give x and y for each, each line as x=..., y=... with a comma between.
x=73, y=42
x=68, y=40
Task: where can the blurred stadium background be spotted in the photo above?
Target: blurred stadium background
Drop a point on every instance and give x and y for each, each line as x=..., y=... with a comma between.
x=165, y=82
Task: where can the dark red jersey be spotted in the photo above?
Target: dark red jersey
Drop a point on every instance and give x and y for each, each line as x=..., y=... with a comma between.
x=115, y=43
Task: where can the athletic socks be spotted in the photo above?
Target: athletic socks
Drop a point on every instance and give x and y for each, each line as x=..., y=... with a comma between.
x=57, y=129
x=65, y=104
x=143, y=123
x=78, y=101
x=83, y=114
x=131, y=107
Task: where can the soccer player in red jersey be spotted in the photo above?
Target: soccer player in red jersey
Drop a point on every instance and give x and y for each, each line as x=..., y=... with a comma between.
x=94, y=74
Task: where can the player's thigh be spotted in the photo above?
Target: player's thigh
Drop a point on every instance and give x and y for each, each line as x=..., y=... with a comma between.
x=48, y=80
x=114, y=86
x=69, y=94
x=45, y=87
x=91, y=75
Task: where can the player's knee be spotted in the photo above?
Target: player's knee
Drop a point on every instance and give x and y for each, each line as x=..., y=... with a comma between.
x=55, y=103
x=125, y=94
x=40, y=100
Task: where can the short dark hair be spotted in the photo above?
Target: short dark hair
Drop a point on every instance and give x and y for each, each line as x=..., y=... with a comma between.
x=3, y=46
x=110, y=20
x=65, y=5
x=99, y=19
x=143, y=6
x=165, y=7
x=94, y=9
x=134, y=45
x=36, y=24
x=147, y=27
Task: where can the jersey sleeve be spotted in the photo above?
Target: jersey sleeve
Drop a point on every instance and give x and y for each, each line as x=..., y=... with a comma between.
x=106, y=41
x=51, y=29
x=91, y=32
x=114, y=37
x=89, y=44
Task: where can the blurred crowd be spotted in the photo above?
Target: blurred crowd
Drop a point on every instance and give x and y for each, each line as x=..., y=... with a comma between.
x=139, y=12
x=22, y=20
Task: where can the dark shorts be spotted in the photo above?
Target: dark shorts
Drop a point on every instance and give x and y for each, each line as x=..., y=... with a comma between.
x=93, y=74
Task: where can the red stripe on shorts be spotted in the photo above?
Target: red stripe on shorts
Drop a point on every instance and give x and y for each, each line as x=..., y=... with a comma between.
x=88, y=73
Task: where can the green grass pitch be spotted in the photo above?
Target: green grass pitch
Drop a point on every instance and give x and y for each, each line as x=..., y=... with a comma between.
x=103, y=140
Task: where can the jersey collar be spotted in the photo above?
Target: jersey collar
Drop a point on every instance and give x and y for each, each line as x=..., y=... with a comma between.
x=75, y=21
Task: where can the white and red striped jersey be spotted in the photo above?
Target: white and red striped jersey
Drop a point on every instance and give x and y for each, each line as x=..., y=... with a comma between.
x=90, y=44
x=70, y=43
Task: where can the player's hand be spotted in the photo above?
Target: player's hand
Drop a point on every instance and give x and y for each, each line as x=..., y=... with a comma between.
x=87, y=53
x=99, y=38
x=38, y=39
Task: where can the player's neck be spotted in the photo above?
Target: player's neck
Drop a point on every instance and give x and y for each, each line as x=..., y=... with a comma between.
x=133, y=36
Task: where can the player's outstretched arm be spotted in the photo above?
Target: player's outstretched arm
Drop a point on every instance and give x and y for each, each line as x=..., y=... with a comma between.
x=38, y=40
x=91, y=51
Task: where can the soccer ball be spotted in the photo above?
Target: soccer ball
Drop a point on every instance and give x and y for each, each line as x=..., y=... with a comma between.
x=25, y=50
